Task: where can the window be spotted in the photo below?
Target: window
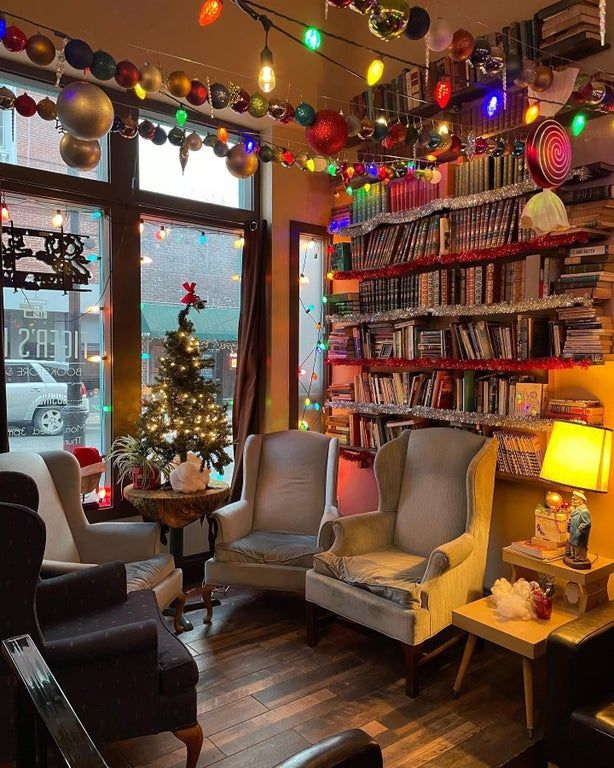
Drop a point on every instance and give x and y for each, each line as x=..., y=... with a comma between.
x=211, y=259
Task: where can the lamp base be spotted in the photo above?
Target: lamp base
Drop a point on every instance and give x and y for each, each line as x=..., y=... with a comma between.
x=579, y=565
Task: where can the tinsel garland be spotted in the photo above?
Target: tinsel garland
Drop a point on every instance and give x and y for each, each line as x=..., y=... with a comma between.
x=458, y=310
x=444, y=414
x=466, y=257
x=441, y=204
x=452, y=364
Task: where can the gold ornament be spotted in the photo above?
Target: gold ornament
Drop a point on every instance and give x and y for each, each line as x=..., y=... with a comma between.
x=194, y=142
x=40, y=50
x=46, y=109
x=388, y=19
x=151, y=78
x=462, y=45
x=239, y=164
x=85, y=111
x=179, y=84
x=543, y=78
x=553, y=500
x=76, y=153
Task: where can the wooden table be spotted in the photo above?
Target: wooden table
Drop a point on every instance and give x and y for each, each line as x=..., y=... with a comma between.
x=526, y=638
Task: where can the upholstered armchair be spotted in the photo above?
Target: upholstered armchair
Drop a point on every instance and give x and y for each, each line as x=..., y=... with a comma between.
x=73, y=543
x=267, y=540
x=402, y=569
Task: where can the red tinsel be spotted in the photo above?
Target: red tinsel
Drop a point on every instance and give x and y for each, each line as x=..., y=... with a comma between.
x=466, y=257
x=449, y=363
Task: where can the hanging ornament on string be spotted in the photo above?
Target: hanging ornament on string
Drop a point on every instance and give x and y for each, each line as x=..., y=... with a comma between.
x=46, y=109
x=418, y=23
x=151, y=78
x=440, y=35
x=126, y=74
x=176, y=136
x=219, y=96
x=85, y=111
x=305, y=114
x=184, y=156
x=25, y=105
x=240, y=101
x=40, y=50
x=14, y=40
x=362, y=6
x=103, y=66
x=147, y=130
x=240, y=164
x=78, y=54
x=388, y=19
x=179, y=84
x=496, y=61
x=367, y=129
x=328, y=134
x=258, y=105
x=462, y=45
x=129, y=129
x=543, y=78
x=7, y=98
x=481, y=52
x=193, y=142
x=79, y=154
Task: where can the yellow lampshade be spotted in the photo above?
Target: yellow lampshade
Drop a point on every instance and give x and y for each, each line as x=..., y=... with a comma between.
x=578, y=456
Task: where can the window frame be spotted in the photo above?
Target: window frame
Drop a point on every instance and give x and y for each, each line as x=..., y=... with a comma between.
x=124, y=204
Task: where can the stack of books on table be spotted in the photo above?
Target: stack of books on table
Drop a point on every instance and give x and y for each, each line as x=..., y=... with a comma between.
x=520, y=453
x=586, y=411
x=541, y=549
x=341, y=392
x=588, y=332
x=339, y=426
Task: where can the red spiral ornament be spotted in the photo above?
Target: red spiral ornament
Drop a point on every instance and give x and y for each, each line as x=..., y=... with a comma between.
x=548, y=154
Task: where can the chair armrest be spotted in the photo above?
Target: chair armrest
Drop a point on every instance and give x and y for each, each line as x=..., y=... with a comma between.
x=234, y=520
x=50, y=569
x=578, y=672
x=81, y=592
x=358, y=534
x=127, y=542
x=325, y=532
x=349, y=749
x=448, y=556
x=112, y=643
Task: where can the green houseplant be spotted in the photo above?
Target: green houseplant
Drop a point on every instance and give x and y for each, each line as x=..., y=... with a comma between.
x=134, y=460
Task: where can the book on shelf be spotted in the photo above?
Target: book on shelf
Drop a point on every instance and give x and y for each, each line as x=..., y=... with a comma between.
x=343, y=303
x=530, y=398
x=589, y=412
x=520, y=453
x=341, y=392
x=588, y=332
x=538, y=551
x=341, y=257
x=571, y=196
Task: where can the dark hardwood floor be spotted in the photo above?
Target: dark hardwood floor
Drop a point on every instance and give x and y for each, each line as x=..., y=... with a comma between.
x=264, y=695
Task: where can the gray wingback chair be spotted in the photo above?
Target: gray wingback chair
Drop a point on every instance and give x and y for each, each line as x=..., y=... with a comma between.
x=73, y=543
x=402, y=569
x=268, y=538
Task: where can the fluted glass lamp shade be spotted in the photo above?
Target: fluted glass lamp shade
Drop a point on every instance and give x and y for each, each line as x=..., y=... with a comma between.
x=578, y=456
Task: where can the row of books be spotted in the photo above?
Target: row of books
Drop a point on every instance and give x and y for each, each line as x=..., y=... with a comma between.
x=567, y=409
x=588, y=332
x=371, y=432
x=488, y=226
x=368, y=202
x=594, y=213
x=520, y=453
x=399, y=243
x=568, y=23
x=597, y=284
x=472, y=113
x=484, y=173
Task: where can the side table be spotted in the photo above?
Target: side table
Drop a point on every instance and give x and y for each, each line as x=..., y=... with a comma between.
x=173, y=511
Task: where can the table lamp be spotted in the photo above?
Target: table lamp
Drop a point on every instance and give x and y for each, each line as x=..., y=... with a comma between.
x=578, y=456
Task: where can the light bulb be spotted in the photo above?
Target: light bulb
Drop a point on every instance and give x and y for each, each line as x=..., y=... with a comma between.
x=57, y=219
x=236, y=278
x=139, y=91
x=578, y=124
x=375, y=72
x=146, y=259
x=203, y=238
x=161, y=234
x=96, y=358
x=532, y=113
x=5, y=212
x=303, y=279
x=239, y=243
x=311, y=244
x=312, y=38
x=367, y=187
x=266, y=78
x=210, y=11
x=181, y=117
x=94, y=309
x=443, y=129
x=141, y=226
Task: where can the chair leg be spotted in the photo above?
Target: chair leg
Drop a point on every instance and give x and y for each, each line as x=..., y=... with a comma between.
x=412, y=660
x=207, y=590
x=192, y=737
x=311, y=617
x=179, y=606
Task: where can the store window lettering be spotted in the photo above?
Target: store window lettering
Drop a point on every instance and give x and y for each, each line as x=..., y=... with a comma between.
x=48, y=343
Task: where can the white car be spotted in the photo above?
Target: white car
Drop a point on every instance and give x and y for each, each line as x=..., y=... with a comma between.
x=36, y=394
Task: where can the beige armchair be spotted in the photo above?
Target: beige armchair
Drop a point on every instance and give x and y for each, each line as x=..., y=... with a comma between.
x=403, y=569
x=267, y=540
x=73, y=543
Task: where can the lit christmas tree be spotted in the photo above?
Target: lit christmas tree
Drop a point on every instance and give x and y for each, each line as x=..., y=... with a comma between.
x=183, y=413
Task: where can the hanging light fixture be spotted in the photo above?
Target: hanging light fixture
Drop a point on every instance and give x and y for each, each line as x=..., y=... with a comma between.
x=210, y=11
x=266, y=77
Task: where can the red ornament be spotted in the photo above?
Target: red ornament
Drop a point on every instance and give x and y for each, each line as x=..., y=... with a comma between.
x=328, y=134
x=456, y=143
x=14, y=40
x=442, y=93
x=288, y=158
x=198, y=94
x=548, y=154
x=289, y=116
x=25, y=105
x=360, y=169
x=126, y=74
x=481, y=146
x=240, y=103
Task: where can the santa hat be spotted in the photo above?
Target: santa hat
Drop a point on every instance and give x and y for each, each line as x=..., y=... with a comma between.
x=89, y=459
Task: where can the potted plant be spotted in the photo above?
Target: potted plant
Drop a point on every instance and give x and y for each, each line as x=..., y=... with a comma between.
x=135, y=460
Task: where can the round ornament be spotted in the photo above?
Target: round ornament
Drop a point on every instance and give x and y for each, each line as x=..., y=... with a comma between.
x=328, y=134
x=194, y=142
x=433, y=140
x=400, y=170
x=126, y=74
x=220, y=149
x=435, y=176
x=258, y=105
x=598, y=93
x=151, y=78
x=289, y=116
x=103, y=66
x=147, y=130
x=481, y=146
x=481, y=52
x=176, y=136
x=362, y=6
x=548, y=154
x=266, y=154
x=498, y=148
x=219, y=96
x=455, y=143
x=240, y=102
x=381, y=129
x=553, y=500
x=46, y=109
x=83, y=155
x=367, y=129
x=179, y=84
x=40, y=50
x=543, y=78
x=277, y=108
x=7, y=98
x=412, y=135
x=388, y=19
x=85, y=111
x=320, y=164
x=129, y=128
x=397, y=133
x=418, y=24
x=301, y=161
x=462, y=45
x=518, y=148
x=305, y=114
x=25, y=105
x=198, y=93
x=210, y=140
x=353, y=124
x=496, y=61
x=14, y=40
x=440, y=35
x=78, y=54
x=160, y=136
x=288, y=159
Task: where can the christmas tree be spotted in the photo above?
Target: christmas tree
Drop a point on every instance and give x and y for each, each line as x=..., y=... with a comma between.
x=183, y=413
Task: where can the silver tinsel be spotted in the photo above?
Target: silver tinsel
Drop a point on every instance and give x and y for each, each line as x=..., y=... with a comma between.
x=458, y=310
x=442, y=204
x=443, y=414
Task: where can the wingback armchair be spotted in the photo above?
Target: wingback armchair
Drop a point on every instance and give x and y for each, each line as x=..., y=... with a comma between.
x=73, y=543
x=267, y=540
x=402, y=569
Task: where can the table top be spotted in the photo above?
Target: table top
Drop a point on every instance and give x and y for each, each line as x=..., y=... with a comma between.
x=166, y=493
x=174, y=509
x=527, y=638
x=603, y=566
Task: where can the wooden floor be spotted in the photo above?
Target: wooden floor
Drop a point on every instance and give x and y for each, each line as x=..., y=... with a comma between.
x=264, y=695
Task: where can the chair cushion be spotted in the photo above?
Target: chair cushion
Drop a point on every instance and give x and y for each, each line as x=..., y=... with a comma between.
x=178, y=671
x=146, y=574
x=592, y=735
x=270, y=548
x=390, y=573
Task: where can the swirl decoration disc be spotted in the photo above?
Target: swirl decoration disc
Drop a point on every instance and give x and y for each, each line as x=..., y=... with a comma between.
x=548, y=154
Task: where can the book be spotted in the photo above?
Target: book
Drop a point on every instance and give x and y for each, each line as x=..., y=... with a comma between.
x=538, y=551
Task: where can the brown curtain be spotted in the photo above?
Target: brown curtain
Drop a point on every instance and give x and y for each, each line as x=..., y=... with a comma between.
x=249, y=391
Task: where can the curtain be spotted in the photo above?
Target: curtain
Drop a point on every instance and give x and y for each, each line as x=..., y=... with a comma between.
x=249, y=393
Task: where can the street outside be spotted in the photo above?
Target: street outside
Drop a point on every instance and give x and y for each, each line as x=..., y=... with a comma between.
x=22, y=439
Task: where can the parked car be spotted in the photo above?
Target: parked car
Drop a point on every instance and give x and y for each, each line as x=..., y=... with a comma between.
x=36, y=394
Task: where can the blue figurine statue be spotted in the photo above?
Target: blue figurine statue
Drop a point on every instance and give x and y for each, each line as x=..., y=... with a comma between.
x=579, y=527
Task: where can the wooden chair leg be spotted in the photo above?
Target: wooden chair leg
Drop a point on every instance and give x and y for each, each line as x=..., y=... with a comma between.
x=179, y=606
x=207, y=590
x=412, y=660
x=192, y=737
x=311, y=617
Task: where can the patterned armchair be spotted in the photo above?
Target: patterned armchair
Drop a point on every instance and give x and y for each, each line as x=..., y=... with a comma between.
x=267, y=540
x=123, y=671
x=403, y=569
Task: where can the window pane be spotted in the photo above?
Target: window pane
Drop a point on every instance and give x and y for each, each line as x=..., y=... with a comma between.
x=205, y=177
x=48, y=338
x=35, y=143
x=212, y=260
x=312, y=256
